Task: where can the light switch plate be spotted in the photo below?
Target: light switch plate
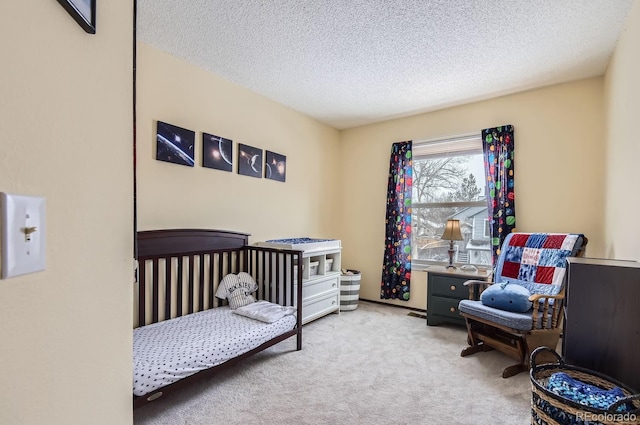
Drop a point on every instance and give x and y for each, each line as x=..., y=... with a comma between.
x=23, y=234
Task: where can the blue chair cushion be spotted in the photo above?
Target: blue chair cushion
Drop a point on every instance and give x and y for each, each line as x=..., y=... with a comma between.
x=511, y=319
x=506, y=296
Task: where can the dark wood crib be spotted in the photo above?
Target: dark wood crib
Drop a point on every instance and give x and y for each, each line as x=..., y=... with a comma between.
x=179, y=271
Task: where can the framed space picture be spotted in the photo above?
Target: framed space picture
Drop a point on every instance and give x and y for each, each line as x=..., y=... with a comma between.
x=217, y=152
x=175, y=144
x=83, y=11
x=249, y=161
x=275, y=166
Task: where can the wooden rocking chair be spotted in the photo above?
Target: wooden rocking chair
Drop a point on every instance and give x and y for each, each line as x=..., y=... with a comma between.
x=536, y=261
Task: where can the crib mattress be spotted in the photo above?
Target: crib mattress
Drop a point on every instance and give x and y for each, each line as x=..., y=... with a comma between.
x=168, y=351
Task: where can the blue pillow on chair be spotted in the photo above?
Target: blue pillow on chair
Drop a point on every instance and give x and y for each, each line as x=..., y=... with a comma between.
x=505, y=296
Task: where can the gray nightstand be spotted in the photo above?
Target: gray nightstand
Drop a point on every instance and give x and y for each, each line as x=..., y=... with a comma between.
x=445, y=289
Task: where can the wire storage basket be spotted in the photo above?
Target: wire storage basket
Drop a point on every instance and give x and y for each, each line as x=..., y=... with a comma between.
x=549, y=408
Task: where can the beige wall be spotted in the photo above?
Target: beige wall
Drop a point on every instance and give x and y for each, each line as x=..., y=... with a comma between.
x=65, y=120
x=621, y=200
x=558, y=168
x=171, y=195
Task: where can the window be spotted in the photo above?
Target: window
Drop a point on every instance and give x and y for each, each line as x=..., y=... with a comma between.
x=448, y=182
x=487, y=229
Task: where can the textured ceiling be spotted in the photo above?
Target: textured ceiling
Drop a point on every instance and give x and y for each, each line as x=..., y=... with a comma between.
x=353, y=62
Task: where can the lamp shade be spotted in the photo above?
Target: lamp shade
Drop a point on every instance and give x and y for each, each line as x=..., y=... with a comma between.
x=452, y=231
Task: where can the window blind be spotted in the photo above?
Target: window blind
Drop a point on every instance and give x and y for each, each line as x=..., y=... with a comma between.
x=451, y=146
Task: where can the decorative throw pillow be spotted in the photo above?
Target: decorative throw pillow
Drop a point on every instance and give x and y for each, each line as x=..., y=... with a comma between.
x=580, y=392
x=237, y=289
x=506, y=296
x=265, y=311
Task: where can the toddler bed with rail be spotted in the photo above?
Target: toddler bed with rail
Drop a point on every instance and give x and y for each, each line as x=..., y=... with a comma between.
x=206, y=299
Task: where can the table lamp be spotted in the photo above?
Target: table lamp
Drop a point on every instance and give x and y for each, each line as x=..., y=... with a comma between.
x=451, y=233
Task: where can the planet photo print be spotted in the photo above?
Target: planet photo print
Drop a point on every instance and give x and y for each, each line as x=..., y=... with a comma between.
x=275, y=166
x=249, y=161
x=217, y=152
x=175, y=144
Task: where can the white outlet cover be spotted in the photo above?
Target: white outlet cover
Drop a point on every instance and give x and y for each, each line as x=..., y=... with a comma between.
x=19, y=255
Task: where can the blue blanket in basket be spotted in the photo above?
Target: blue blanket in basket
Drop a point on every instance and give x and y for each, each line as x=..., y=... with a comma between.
x=589, y=395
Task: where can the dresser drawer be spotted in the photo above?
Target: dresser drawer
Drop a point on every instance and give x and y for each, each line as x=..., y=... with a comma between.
x=448, y=286
x=320, y=286
x=319, y=307
x=446, y=307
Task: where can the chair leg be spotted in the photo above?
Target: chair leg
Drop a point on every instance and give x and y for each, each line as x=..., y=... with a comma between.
x=524, y=347
x=474, y=349
x=513, y=370
x=536, y=340
x=476, y=345
x=523, y=357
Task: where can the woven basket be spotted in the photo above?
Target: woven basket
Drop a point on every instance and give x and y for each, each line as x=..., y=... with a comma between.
x=548, y=408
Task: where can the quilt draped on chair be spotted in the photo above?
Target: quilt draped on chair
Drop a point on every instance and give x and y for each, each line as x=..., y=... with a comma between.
x=396, y=267
x=497, y=146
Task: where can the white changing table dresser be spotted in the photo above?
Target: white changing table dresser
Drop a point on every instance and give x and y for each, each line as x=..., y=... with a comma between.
x=320, y=274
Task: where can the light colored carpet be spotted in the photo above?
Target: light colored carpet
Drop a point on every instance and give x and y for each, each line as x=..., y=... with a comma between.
x=373, y=365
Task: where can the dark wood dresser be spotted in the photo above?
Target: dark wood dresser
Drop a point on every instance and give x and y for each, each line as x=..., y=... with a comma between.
x=602, y=318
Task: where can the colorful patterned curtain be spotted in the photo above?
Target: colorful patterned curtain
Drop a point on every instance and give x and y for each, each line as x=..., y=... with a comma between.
x=396, y=268
x=497, y=145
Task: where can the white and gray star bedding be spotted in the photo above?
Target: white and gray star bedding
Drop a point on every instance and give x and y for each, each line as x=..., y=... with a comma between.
x=168, y=351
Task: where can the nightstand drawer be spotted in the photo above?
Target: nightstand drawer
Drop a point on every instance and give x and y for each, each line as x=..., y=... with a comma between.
x=445, y=289
x=447, y=307
x=448, y=286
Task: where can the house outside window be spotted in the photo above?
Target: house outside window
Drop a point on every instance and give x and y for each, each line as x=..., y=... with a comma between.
x=448, y=182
